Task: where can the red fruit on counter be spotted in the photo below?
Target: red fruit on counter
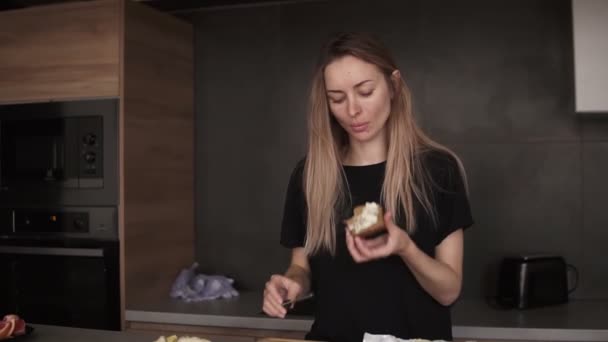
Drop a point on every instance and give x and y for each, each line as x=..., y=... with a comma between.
x=10, y=318
x=3, y=330
x=19, y=327
x=6, y=329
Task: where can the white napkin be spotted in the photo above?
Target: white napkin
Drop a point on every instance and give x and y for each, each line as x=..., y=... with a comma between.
x=367, y=337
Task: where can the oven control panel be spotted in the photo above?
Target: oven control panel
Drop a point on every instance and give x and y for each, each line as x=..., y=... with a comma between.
x=97, y=223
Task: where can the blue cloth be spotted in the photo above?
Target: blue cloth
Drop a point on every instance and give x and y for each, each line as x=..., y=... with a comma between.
x=190, y=287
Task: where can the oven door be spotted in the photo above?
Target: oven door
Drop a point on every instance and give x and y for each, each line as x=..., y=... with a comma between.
x=74, y=286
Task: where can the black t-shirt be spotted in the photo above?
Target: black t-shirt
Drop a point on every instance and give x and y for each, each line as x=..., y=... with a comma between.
x=380, y=296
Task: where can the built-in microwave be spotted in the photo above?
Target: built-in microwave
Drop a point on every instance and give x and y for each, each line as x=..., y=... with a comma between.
x=59, y=153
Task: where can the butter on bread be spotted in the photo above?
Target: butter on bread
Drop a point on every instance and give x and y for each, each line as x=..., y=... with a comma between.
x=367, y=221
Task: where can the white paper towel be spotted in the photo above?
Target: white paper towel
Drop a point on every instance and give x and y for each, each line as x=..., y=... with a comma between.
x=389, y=338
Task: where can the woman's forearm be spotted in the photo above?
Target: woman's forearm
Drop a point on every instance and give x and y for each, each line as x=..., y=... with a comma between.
x=437, y=278
x=299, y=275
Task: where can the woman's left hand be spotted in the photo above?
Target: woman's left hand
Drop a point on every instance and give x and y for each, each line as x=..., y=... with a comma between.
x=395, y=241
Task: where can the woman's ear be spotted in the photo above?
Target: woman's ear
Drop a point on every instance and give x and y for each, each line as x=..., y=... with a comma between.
x=395, y=80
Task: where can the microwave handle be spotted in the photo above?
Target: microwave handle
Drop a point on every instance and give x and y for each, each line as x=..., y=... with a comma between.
x=54, y=251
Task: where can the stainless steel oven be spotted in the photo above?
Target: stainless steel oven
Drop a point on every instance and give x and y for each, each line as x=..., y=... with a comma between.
x=61, y=266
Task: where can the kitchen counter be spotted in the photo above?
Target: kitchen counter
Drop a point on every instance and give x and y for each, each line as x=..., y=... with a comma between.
x=574, y=321
x=244, y=311
x=474, y=319
x=50, y=333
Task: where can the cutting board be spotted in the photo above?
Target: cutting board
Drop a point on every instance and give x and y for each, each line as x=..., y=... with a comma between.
x=278, y=339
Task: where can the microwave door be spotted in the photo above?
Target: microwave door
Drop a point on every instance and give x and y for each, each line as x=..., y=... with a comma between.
x=33, y=151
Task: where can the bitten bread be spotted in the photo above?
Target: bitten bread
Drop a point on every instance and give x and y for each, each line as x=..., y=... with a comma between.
x=367, y=221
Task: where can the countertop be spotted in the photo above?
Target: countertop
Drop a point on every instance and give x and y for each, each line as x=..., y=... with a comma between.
x=575, y=321
x=49, y=333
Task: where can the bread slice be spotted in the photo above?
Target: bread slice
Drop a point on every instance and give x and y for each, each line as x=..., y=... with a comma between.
x=367, y=221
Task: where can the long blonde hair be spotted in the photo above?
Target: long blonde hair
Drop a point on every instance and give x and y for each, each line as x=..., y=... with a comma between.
x=406, y=180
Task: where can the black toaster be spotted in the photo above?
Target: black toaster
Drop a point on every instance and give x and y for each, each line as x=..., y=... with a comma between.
x=532, y=281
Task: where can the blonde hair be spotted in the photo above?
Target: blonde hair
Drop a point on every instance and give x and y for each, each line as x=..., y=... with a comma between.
x=406, y=180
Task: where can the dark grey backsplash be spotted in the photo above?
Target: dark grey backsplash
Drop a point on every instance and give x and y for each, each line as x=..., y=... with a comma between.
x=491, y=79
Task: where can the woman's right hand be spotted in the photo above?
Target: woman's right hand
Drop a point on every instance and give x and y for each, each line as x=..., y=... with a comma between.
x=278, y=289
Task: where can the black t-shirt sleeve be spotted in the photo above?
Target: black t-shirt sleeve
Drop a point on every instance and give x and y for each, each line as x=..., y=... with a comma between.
x=453, y=209
x=293, y=226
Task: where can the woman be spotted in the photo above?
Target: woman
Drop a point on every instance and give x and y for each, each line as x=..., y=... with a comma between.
x=363, y=146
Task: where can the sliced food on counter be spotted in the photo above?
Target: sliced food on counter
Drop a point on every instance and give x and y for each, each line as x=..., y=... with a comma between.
x=367, y=337
x=174, y=338
x=11, y=326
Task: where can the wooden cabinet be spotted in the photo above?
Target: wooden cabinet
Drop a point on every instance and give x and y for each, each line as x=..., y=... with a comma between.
x=157, y=150
x=486, y=340
x=121, y=49
x=60, y=52
x=496, y=340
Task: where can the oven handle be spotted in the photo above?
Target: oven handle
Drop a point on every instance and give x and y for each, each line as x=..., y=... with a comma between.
x=78, y=252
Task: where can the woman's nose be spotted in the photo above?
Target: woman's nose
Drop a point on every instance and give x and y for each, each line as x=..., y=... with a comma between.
x=353, y=108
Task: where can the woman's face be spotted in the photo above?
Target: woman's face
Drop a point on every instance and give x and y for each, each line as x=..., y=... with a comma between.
x=359, y=97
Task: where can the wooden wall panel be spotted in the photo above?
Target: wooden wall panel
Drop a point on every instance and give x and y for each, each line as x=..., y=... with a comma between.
x=59, y=52
x=121, y=158
x=157, y=151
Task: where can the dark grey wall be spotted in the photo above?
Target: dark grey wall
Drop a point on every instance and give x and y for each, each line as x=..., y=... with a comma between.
x=491, y=79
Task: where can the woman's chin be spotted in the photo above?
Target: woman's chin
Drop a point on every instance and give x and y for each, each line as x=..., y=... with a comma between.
x=361, y=137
